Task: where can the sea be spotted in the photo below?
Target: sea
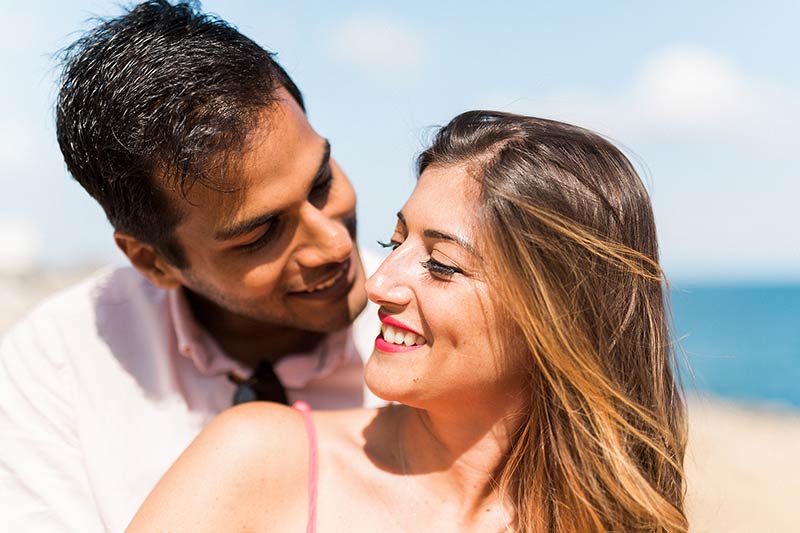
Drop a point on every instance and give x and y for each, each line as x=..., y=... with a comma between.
x=739, y=342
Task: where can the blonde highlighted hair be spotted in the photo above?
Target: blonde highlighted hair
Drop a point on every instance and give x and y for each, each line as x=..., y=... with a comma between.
x=570, y=241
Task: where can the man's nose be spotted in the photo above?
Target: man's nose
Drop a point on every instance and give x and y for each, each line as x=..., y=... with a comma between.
x=325, y=239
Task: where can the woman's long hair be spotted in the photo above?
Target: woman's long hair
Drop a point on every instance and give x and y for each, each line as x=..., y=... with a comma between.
x=570, y=241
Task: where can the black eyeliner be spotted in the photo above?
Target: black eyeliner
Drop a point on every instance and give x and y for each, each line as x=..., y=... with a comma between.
x=435, y=267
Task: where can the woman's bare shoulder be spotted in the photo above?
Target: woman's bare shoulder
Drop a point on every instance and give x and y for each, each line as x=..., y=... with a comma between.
x=251, y=461
x=260, y=427
x=256, y=434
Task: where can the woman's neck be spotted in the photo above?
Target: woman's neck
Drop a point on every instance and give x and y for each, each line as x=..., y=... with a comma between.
x=456, y=453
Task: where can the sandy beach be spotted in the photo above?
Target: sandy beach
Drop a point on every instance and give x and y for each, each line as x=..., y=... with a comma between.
x=743, y=462
x=743, y=467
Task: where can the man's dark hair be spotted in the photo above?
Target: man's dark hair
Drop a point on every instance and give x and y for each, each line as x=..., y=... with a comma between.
x=152, y=102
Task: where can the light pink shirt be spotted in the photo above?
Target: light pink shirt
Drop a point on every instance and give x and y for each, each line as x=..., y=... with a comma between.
x=105, y=384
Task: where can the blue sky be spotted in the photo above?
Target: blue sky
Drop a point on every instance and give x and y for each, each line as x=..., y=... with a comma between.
x=704, y=96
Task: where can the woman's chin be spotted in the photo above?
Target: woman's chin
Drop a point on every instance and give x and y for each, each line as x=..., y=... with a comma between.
x=389, y=384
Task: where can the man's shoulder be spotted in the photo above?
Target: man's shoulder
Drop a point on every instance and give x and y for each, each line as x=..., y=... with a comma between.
x=110, y=297
x=108, y=287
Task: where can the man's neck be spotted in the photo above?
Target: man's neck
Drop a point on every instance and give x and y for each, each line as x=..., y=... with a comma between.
x=247, y=340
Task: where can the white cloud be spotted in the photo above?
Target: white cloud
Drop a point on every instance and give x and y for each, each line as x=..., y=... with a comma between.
x=715, y=142
x=682, y=90
x=686, y=87
x=386, y=49
x=21, y=246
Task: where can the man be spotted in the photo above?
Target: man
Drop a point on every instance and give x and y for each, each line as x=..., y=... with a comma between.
x=240, y=228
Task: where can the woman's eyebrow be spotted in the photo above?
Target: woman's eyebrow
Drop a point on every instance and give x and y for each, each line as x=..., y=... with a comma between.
x=441, y=235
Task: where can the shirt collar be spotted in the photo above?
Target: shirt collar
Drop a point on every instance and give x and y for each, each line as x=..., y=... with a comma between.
x=297, y=370
x=195, y=343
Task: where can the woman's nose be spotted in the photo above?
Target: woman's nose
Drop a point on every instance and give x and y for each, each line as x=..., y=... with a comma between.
x=388, y=286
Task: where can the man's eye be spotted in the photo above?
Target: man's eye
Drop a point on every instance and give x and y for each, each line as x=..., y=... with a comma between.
x=319, y=193
x=264, y=238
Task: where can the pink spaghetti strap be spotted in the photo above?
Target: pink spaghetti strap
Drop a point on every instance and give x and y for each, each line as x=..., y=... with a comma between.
x=304, y=408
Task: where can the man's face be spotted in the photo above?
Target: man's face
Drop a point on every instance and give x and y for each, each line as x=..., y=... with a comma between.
x=280, y=250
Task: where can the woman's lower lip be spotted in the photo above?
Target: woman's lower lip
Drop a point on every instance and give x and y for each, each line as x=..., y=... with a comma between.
x=386, y=346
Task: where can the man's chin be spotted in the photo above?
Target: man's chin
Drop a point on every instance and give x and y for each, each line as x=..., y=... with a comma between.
x=333, y=322
x=330, y=318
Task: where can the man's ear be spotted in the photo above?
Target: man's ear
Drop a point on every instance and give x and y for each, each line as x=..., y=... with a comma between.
x=148, y=261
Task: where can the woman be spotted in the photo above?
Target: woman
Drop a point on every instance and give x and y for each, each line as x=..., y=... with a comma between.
x=525, y=341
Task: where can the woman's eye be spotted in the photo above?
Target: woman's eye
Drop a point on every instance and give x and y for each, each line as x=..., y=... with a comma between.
x=441, y=270
x=391, y=244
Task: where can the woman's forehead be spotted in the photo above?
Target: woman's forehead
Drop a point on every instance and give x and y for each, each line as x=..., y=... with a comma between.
x=445, y=200
x=451, y=187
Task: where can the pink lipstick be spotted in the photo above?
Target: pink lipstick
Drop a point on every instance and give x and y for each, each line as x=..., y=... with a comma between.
x=388, y=319
x=395, y=329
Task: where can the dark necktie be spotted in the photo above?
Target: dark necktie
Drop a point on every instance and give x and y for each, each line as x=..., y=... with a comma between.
x=263, y=385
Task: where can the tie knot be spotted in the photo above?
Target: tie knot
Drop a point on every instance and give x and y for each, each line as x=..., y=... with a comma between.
x=262, y=385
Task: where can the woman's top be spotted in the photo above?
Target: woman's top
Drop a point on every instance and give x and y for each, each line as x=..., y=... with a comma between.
x=313, y=479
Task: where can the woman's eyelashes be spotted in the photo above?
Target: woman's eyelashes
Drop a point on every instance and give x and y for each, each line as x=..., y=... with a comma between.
x=438, y=270
x=391, y=244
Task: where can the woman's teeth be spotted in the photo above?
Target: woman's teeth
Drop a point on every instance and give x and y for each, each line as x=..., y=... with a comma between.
x=399, y=336
x=328, y=283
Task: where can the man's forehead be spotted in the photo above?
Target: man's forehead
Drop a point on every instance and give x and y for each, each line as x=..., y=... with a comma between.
x=282, y=156
x=280, y=135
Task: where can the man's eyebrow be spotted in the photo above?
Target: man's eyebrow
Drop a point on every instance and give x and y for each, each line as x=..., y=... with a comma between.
x=243, y=228
x=436, y=234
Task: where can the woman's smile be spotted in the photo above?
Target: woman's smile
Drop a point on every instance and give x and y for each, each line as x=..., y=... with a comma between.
x=396, y=337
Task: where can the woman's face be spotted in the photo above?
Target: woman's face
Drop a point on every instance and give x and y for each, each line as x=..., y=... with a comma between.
x=440, y=335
